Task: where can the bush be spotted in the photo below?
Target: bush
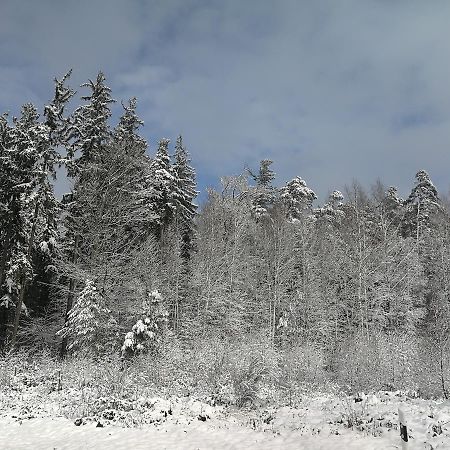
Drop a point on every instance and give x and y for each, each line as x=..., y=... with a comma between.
x=357, y=364
x=302, y=367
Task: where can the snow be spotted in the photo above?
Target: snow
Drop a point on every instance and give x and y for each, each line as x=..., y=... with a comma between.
x=59, y=433
x=317, y=422
x=37, y=411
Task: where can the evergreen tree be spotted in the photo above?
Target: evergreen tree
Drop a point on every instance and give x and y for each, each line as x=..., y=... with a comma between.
x=184, y=195
x=89, y=130
x=264, y=194
x=297, y=197
x=129, y=168
x=163, y=181
x=332, y=209
x=89, y=325
x=126, y=131
x=31, y=204
x=147, y=333
x=54, y=112
x=87, y=138
x=421, y=205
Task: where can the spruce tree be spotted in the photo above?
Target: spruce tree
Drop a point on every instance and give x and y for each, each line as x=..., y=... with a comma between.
x=32, y=204
x=184, y=195
x=89, y=325
x=87, y=154
x=163, y=183
x=264, y=193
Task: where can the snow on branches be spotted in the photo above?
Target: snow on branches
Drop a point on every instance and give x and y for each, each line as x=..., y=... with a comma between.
x=147, y=331
x=89, y=321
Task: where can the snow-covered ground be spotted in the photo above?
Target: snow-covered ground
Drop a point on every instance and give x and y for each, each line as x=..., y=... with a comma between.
x=59, y=433
x=30, y=420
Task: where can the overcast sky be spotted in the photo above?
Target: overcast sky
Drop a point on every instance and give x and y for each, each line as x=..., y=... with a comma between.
x=329, y=90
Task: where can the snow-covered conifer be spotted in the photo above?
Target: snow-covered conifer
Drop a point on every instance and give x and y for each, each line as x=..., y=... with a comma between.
x=264, y=193
x=147, y=332
x=332, y=209
x=31, y=207
x=184, y=195
x=89, y=130
x=297, y=197
x=162, y=179
x=126, y=131
x=89, y=321
x=422, y=203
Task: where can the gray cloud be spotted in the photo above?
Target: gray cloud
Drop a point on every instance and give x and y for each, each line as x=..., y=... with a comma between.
x=329, y=90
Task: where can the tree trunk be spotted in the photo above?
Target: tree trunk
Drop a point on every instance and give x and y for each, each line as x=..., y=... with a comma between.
x=23, y=287
x=24, y=281
x=69, y=303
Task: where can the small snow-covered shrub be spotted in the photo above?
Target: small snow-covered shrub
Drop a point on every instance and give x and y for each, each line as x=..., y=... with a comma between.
x=354, y=414
x=254, y=370
x=148, y=331
x=247, y=378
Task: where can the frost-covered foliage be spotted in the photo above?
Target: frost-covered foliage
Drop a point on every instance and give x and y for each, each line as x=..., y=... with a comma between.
x=421, y=205
x=370, y=265
x=90, y=323
x=147, y=332
x=28, y=208
x=264, y=192
x=332, y=209
x=184, y=194
x=162, y=179
x=297, y=197
x=89, y=130
x=127, y=129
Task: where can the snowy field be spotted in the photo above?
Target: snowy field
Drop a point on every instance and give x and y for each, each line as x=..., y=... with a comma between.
x=30, y=420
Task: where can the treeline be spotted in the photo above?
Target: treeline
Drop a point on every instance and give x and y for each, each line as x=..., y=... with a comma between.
x=363, y=280
x=122, y=204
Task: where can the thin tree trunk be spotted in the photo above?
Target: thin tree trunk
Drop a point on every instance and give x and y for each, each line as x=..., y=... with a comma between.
x=444, y=390
x=23, y=287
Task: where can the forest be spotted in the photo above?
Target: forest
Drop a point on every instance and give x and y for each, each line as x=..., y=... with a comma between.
x=257, y=294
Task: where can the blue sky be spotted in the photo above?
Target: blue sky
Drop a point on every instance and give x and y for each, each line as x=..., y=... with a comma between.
x=330, y=90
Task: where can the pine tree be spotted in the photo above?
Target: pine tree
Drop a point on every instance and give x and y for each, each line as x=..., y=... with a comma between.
x=129, y=167
x=46, y=208
x=54, y=112
x=126, y=131
x=297, y=197
x=331, y=211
